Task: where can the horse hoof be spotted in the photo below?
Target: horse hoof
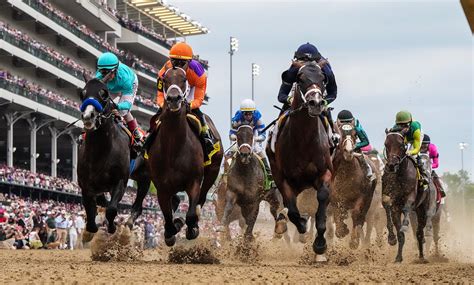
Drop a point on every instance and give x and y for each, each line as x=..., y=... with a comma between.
x=404, y=229
x=398, y=259
x=87, y=236
x=111, y=229
x=354, y=243
x=422, y=260
x=320, y=246
x=303, y=238
x=281, y=227
x=178, y=224
x=392, y=240
x=321, y=258
x=342, y=232
x=170, y=241
x=192, y=233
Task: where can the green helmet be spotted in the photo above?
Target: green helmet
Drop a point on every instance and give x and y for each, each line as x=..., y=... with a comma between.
x=108, y=61
x=403, y=117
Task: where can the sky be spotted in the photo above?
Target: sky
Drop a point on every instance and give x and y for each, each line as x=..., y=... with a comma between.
x=386, y=55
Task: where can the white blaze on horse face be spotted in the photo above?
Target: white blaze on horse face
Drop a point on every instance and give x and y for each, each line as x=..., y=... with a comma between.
x=87, y=117
x=348, y=144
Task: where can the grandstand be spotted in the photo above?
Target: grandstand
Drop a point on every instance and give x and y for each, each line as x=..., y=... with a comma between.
x=45, y=46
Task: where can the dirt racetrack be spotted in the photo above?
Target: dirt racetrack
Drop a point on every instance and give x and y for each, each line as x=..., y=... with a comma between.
x=276, y=264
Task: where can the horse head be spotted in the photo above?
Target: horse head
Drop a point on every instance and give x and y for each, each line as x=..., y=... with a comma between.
x=348, y=134
x=95, y=103
x=245, y=141
x=176, y=87
x=395, y=149
x=310, y=88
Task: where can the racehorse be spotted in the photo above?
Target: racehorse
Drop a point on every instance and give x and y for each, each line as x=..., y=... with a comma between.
x=433, y=207
x=176, y=158
x=351, y=189
x=246, y=183
x=302, y=158
x=400, y=193
x=376, y=217
x=104, y=156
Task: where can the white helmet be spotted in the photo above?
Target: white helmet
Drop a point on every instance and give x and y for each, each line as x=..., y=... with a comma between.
x=247, y=105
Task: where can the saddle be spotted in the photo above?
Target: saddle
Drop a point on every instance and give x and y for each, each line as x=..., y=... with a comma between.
x=195, y=125
x=267, y=183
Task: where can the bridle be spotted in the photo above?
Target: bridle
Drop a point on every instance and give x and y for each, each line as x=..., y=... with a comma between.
x=250, y=146
x=399, y=158
x=182, y=93
x=304, y=96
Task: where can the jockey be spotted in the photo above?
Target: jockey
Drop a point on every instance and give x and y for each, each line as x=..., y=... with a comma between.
x=181, y=55
x=122, y=85
x=346, y=117
x=309, y=53
x=413, y=136
x=248, y=114
x=432, y=150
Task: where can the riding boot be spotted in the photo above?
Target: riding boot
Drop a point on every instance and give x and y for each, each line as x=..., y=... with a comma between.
x=268, y=171
x=369, y=172
x=207, y=139
x=137, y=133
x=152, y=132
x=424, y=176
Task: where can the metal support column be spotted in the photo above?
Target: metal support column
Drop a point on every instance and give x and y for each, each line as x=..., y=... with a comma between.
x=74, y=157
x=54, y=150
x=11, y=119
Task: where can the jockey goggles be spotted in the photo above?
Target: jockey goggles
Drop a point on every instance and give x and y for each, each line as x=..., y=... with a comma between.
x=104, y=71
x=176, y=62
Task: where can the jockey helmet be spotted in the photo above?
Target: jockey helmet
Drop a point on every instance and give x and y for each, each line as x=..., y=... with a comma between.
x=107, y=61
x=426, y=139
x=307, y=51
x=181, y=50
x=247, y=105
x=403, y=117
x=345, y=116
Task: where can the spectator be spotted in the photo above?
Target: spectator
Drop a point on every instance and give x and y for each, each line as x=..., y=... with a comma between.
x=72, y=227
x=61, y=229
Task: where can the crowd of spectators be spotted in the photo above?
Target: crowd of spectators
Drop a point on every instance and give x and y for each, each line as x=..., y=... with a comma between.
x=25, y=177
x=24, y=41
x=137, y=27
x=34, y=89
x=125, y=56
x=50, y=224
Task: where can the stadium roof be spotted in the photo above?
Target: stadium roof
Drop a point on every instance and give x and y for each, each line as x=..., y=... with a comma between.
x=163, y=18
x=468, y=6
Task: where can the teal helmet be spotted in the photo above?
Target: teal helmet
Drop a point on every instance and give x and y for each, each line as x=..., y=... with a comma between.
x=107, y=61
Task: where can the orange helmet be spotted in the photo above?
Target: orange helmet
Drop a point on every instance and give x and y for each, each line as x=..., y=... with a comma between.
x=181, y=51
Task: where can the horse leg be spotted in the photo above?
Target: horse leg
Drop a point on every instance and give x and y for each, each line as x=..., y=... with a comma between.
x=319, y=245
x=112, y=208
x=192, y=230
x=396, y=216
x=289, y=200
x=370, y=225
x=406, y=211
x=436, y=228
x=142, y=189
x=250, y=214
x=422, y=218
x=171, y=227
x=358, y=216
x=102, y=201
x=175, y=202
x=431, y=210
x=392, y=240
x=230, y=199
x=340, y=214
x=91, y=211
x=275, y=199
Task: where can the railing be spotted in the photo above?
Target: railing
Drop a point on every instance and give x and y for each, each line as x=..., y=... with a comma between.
x=148, y=107
x=25, y=92
x=28, y=47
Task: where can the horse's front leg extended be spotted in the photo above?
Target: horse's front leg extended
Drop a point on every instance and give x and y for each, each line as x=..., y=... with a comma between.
x=192, y=230
x=112, y=208
x=91, y=211
x=406, y=211
x=171, y=227
x=319, y=245
x=142, y=189
x=289, y=200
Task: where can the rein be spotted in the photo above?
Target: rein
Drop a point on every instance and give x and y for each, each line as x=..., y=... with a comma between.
x=246, y=144
x=400, y=159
